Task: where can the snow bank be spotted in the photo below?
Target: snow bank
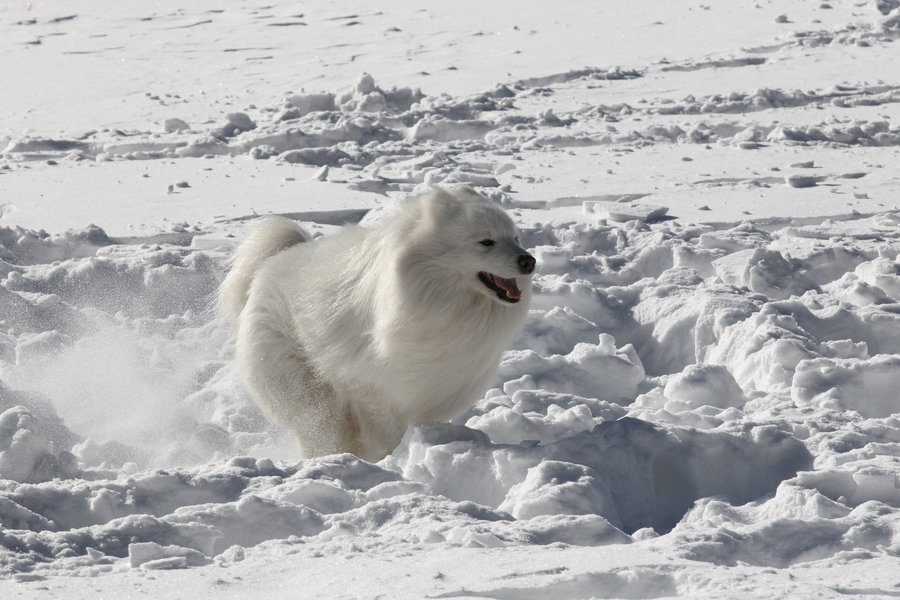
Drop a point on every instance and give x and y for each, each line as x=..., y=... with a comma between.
x=580, y=443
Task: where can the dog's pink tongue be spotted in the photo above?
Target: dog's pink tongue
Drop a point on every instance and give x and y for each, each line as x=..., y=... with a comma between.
x=509, y=286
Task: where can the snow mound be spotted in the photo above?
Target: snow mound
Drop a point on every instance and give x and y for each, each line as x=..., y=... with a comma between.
x=554, y=487
x=702, y=385
x=866, y=386
x=26, y=454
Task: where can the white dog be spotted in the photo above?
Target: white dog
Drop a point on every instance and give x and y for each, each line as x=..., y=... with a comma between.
x=351, y=338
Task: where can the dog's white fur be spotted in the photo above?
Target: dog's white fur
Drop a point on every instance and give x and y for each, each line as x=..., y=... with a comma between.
x=351, y=338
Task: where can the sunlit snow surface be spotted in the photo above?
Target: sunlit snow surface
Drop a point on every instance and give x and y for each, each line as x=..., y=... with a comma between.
x=704, y=402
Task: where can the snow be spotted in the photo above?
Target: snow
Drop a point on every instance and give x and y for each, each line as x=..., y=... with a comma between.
x=702, y=403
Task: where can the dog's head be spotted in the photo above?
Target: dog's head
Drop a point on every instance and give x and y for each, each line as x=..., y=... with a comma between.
x=477, y=241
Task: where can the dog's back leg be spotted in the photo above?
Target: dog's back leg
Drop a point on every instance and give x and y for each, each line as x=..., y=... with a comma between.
x=286, y=386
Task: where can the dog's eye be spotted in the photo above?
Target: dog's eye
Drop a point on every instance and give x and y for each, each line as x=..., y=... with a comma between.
x=487, y=242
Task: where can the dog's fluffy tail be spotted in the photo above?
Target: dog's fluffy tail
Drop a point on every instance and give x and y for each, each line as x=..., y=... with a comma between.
x=270, y=237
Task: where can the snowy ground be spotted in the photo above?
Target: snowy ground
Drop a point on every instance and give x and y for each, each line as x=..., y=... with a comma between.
x=703, y=403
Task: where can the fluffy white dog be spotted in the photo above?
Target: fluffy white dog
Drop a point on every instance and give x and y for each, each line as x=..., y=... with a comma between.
x=349, y=339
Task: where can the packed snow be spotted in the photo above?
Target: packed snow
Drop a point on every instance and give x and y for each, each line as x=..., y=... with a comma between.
x=703, y=402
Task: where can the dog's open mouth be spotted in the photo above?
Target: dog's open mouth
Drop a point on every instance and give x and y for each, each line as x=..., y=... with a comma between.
x=506, y=289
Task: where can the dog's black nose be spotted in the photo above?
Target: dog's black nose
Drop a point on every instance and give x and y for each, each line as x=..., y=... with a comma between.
x=526, y=263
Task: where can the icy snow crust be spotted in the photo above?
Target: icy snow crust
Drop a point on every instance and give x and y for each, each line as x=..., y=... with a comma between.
x=714, y=396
